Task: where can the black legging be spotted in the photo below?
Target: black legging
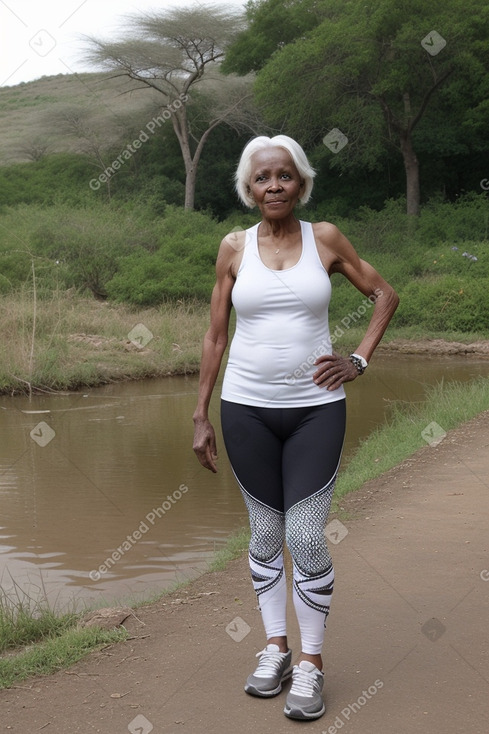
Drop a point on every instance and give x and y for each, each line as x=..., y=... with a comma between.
x=280, y=456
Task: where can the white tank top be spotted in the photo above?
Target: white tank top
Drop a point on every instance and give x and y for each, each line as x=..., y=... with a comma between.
x=281, y=329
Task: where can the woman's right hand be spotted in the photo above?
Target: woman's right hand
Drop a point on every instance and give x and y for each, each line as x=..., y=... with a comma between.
x=205, y=443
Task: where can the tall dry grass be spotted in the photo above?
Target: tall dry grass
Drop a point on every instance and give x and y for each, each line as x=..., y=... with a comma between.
x=68, y=342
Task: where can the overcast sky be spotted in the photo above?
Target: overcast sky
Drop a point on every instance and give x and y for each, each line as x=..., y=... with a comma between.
x=42, y=37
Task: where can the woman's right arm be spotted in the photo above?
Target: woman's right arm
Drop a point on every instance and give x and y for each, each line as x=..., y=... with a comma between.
x=215, y=342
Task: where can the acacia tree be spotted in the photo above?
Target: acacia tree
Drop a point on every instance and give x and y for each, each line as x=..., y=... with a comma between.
x=175, y=53
x=373, y=70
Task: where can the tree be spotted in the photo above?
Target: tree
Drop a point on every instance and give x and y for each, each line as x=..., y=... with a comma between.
x=271, y=25
x=371, y=71
x=176, y=53
x=90, y=132
x=34, y=148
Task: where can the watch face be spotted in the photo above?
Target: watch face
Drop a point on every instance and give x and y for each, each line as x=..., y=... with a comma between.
x=360, y=363
x=361, y=360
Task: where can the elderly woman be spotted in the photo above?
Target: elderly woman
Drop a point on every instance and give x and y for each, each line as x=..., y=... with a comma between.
x=283, y=402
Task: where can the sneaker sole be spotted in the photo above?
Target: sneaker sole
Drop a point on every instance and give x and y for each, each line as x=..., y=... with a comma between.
x=297, y=713
x=268, y=694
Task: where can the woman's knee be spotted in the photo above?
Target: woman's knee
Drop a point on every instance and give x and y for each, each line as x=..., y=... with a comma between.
x=308, y=547
x=267, y=528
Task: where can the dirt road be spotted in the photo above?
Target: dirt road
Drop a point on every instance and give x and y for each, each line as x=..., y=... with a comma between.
x=406, y=646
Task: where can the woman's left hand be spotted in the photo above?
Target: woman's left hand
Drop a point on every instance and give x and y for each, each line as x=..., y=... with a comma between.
x=333, y=370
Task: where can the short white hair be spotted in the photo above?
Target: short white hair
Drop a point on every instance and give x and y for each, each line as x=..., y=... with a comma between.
x=243, y=171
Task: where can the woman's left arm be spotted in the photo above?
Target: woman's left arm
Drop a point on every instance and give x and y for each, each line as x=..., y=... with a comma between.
x=339, y=256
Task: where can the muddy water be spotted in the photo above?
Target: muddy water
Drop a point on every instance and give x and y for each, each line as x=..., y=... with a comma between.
x=102, y=499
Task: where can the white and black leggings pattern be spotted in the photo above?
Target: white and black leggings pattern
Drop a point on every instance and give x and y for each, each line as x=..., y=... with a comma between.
x=286, y=461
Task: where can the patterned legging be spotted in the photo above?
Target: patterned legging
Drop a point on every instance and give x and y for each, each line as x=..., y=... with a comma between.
x=285, y=461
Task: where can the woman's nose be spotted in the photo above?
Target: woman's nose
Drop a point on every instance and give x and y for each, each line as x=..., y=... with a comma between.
x=275, y=185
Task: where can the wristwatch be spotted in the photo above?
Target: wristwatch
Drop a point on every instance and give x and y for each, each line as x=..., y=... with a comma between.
x=360, y=362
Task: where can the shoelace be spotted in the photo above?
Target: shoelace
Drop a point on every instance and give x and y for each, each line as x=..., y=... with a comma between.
x=304, y=683
x=270, y=662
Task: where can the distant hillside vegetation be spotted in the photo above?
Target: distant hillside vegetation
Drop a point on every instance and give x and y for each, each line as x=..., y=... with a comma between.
x=26, y=110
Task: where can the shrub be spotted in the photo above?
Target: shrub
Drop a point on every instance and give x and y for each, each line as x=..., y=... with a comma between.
x=445, y=303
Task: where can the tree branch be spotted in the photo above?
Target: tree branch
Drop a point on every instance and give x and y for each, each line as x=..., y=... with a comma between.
x=427, y=98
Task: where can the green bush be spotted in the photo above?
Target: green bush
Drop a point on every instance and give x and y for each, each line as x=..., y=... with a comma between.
x=60, y=176
x=182, y=266
x=445, y=303
x=146, y=252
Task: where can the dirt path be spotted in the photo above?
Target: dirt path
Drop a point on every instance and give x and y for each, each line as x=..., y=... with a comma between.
x=406, y=646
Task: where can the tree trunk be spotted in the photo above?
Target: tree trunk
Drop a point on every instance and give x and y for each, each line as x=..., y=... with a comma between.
x=190, y=177
x=191, y=162
x=411, y=167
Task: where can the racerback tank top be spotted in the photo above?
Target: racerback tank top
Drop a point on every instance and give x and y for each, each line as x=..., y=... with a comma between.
x=281, y=329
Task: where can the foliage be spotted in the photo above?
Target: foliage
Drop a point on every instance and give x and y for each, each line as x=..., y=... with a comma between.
x=432, y=265
x=59, y=176
x=182, y=265
x=363, y=70
x=271, y=25
x=67, y=246
x=78, y=341
x=143, y=251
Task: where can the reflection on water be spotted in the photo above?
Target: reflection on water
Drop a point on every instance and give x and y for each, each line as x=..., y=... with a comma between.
x=103, y=499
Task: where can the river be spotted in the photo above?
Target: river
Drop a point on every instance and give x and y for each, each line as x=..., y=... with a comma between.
x=103, y=501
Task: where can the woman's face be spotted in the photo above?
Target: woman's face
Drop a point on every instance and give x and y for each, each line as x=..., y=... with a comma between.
x=275, y=182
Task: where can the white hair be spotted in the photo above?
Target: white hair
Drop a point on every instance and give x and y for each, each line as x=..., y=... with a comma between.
x=243, y=171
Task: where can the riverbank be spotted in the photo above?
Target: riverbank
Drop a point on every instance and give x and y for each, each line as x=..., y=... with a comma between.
x=35, y=640
x=400, y=628
x=70, y=343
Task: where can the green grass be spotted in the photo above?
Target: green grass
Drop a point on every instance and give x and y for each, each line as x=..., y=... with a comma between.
x=447, y=405
x=54, y=653
x=237, y=543
x=36, y=640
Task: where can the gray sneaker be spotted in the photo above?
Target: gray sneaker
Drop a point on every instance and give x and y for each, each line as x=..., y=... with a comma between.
x=305, y=700
x=274, y=667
